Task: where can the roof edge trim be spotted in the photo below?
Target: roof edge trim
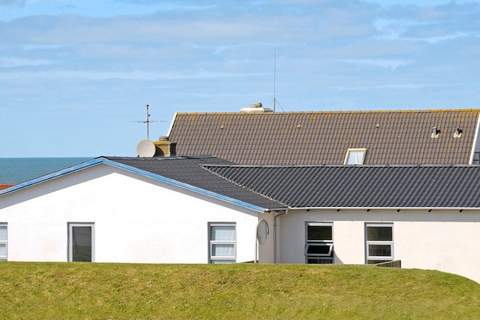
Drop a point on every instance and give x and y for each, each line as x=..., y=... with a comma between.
x=385, y=208
x=52, y=176
x=362, y=111
x=172, y=123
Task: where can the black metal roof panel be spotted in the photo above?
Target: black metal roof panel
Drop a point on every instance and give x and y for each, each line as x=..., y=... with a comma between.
x=361, y=186
x=189, y=170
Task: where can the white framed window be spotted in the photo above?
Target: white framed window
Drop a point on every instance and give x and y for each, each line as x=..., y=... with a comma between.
x=355, y=156
x=81, y=242
x=379, y=242
x=3, y=242
x=319, y=242
x=222, y=243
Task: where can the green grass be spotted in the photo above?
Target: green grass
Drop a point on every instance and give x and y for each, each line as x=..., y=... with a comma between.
x=127, y=291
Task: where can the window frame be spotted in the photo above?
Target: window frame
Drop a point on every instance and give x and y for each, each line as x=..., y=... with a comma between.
x=364, y=150
x=4, y=224
x=70, y=226
x=375, y=242
x=330, y=243
x=211, y=243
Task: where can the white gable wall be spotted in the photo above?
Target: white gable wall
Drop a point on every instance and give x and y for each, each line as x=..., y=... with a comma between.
x=136, y=219
x=442, y=240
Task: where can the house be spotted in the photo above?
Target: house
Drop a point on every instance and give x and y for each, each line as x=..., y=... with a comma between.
x=207, y=210
x=164, y=210
x=331, y=138
x=427, y=217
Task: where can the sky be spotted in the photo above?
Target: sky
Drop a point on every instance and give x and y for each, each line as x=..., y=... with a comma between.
x=76, y=75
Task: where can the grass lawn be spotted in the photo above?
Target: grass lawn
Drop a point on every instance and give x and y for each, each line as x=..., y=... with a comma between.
x=128, y=291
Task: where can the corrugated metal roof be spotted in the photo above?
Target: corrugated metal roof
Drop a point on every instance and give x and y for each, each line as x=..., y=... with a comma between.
x=189, y=170
x=323, y=138
x=361, y=186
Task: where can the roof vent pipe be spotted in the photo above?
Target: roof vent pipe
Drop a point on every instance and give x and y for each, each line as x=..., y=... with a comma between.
x=435, y=132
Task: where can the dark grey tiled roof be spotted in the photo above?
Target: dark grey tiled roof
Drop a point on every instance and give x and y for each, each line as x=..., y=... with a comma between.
x=361, y=186
x=323, y=138
x=189, y=170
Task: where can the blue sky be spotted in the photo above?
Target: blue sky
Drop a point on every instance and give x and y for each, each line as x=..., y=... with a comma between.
x=75, y=75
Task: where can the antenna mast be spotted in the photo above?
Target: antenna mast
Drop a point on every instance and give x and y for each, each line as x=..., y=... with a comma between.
x=147, y=121
x=275, y=80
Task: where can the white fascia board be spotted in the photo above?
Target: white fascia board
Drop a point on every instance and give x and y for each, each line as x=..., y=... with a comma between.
x=171, y=124
x=52, y=176
x=472, y=154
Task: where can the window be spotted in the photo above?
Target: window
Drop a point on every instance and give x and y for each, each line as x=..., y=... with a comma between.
x=80, y=242
x=222, y=243
x=355, y=156
x=319, y=243
x=379, y=242
x=3, y=241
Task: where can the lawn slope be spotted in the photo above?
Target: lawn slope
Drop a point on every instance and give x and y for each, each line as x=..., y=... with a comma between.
x=126, y=291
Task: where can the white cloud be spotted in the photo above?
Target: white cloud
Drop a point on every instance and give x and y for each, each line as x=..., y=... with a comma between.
x=122, y=75
x=34, y=47
x=400, y=29
x=392, y=64
x=437, y=39
x=12, y=2
x=22, y=62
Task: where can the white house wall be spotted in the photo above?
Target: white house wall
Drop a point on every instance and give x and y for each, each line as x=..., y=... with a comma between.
x=136, y=220
x=445, y=241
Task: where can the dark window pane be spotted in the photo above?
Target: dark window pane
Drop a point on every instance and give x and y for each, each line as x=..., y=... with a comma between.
x=379, y=250
x=318, y=249
x=317, y=260
x=82, y=244
x=319, y=232
x=379, y=233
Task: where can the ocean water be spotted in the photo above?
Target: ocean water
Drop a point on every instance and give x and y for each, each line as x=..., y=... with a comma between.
x=16, y=170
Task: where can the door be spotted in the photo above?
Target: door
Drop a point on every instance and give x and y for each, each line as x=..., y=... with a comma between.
x=81, y=244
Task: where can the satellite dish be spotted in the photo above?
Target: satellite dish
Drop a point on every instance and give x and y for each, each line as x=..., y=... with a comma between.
x=146, y=149
x=262, y=231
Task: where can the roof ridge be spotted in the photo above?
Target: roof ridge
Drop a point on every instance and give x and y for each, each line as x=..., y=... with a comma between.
x=344, y=166
x=181, y=157
x=204, y=167
x=461, y=109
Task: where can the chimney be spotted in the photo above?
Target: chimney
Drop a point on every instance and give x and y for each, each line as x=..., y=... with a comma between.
x=164, y=148
x=160, y=148
x=256, y=108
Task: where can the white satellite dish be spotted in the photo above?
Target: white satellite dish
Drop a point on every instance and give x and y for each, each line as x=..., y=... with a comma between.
x=262, y=231
x=146, y=149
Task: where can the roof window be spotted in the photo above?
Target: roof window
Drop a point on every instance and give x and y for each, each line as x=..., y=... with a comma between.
x=355, y=157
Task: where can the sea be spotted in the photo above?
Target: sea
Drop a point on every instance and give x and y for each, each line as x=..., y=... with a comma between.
x=16, y=170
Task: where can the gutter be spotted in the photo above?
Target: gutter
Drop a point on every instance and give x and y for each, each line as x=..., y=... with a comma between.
x=387, y=208
x=275, y=216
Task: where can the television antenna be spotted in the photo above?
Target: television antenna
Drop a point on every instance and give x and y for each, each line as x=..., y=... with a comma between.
x=275, y=80
x=275, y=100
x=147, y=120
